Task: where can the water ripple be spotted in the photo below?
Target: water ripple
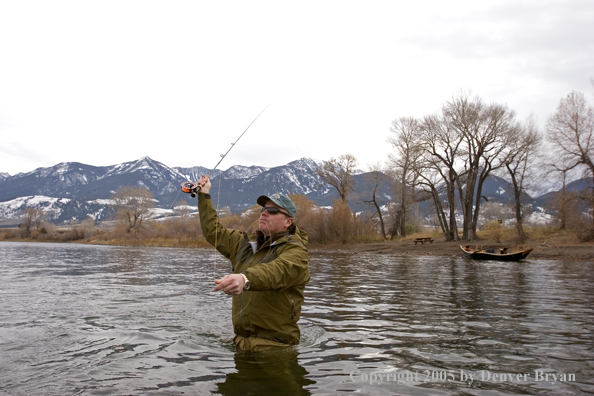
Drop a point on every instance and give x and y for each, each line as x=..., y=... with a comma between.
x=96, y=320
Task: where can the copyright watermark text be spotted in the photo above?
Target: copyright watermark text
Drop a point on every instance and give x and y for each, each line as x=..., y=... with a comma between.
x=404, y=376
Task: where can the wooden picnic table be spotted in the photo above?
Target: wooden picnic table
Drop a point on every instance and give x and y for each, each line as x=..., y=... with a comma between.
x=423, y=240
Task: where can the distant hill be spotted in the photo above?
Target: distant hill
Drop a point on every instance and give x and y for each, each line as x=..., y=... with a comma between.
x=574, y=186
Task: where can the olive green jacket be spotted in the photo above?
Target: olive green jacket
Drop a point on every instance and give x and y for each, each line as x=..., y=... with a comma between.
x=277, y=271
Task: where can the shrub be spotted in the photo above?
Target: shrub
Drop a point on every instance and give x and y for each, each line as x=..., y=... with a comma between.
x=494, y=230
x=341, y=222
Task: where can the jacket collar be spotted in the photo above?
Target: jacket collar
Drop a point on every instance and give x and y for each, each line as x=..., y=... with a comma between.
x=265, y=241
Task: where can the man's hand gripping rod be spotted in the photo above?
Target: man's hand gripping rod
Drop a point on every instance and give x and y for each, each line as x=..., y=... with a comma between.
x=193, y=188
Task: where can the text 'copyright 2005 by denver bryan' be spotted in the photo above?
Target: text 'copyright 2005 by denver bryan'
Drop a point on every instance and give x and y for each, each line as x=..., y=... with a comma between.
x=404, y=376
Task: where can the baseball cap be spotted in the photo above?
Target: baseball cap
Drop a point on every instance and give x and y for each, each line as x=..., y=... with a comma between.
x=281, y=200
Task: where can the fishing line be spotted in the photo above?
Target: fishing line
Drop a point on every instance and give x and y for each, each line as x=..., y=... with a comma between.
x=198, y=292
x=214, y=273
x=193, y=189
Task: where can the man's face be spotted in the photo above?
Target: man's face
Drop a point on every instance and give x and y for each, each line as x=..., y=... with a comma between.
x=272, y=223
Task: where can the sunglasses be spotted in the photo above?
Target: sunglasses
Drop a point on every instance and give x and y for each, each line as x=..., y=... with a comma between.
x=272, y=210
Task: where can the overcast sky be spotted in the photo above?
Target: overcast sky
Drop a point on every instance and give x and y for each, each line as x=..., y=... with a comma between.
x=105, y=82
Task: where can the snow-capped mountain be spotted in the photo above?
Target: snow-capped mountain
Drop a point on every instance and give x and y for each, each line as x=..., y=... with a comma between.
x=83, y=182
x=72, y=191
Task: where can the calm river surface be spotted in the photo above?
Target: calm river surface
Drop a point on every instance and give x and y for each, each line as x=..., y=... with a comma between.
x=104, y=320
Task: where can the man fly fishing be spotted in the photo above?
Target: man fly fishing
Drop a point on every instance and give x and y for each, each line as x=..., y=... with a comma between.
x=270, y=270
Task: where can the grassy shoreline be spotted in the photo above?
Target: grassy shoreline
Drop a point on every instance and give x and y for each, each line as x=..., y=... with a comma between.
x=547, y=244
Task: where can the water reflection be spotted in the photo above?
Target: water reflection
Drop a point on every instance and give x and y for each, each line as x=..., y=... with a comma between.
x=266, y=373
x=450, y=315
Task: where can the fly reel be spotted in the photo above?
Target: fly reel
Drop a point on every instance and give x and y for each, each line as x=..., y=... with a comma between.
x=190, y=188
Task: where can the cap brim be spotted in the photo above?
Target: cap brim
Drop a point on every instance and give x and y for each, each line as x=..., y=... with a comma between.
x=262, y=199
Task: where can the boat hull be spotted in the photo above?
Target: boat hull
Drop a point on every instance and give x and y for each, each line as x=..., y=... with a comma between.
x=488, y=255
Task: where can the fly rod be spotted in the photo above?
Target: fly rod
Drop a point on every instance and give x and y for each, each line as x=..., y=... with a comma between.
x=193, y=188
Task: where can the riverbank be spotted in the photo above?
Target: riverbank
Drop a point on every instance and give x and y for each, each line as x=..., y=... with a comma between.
x=555, y=246
x=546, y=250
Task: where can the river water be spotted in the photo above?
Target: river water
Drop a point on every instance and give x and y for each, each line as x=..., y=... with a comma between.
x=105, y=320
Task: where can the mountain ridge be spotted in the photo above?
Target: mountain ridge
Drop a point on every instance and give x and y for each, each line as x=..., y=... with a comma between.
x=72, y=191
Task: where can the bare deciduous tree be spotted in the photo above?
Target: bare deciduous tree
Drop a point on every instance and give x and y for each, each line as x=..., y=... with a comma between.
x=132, y=205
x=520, y=155
x=460, y=147
x=404, y=165
x=485, y=131
x=376, y=178
x=442, y=151
x=430, y=184
x=31, y=218
x=571, y=131
x=339, y=174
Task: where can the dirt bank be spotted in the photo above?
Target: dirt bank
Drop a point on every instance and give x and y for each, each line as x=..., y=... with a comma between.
x=542, y=250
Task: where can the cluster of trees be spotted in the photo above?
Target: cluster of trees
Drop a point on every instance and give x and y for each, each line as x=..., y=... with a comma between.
x=33, y=221
x=446, y=157
x=131, y=206
x=34, y=225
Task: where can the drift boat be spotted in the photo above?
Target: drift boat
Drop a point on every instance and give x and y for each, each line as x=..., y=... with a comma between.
x=501, y=254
